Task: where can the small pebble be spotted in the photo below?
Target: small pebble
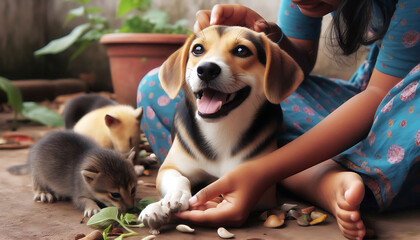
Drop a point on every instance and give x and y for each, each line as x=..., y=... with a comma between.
x=302, y=220
x=318, y=220
x=225, y=234
x=184, y=228
x=139, y=169
x=94, y=235
x=293, y=214
x=316, y=214
x=288, y=206
x=273, y=221
x=150, y=237
x=307, y=210
x=79, y=236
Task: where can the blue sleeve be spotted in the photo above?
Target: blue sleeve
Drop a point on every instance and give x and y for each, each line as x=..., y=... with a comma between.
x=296, y=25
x=400, y=48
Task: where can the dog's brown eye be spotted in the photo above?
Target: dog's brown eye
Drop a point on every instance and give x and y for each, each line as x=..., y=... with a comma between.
x=241, y=51
x=198, y=50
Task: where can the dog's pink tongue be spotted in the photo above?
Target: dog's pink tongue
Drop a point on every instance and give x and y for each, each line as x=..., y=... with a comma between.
x=211, y=101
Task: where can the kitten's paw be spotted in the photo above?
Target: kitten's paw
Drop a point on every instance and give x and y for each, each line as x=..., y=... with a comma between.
x=90, y=211
x=154, y=216
x=176, y=201
x=45, y=197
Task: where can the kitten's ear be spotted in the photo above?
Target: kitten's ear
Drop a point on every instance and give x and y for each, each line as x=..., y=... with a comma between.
x=139, y=113
x=111, y=121
x=131, y=155
x=89, y=175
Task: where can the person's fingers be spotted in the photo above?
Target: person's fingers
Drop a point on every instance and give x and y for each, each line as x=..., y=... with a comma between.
x=224, y=214
x=208, y=193
x=202, y=20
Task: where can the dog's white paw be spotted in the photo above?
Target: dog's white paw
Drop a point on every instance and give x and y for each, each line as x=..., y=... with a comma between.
x=154, y=216
x=176, y=201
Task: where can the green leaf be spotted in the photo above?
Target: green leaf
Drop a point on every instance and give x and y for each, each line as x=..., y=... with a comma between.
x=41, y=114
x=81, y=48
x=76, y=12
x=104, y=217
x=14, y=97
x=126, y=6
x=130, y=219
x=157, y=17
x=93, y=10
x=105, y=232
x=61, y=44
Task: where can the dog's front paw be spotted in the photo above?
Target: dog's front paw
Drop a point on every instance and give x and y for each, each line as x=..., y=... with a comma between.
x=154, y=216
x=176, y=201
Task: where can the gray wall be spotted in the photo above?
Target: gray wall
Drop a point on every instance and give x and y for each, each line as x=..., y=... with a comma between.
x=27, y=25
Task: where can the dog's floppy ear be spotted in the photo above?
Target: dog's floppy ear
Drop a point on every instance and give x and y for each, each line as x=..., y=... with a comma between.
x=172, y=72
x=282, y=74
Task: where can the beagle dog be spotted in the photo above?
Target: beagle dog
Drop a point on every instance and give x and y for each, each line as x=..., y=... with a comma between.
x=233, y=81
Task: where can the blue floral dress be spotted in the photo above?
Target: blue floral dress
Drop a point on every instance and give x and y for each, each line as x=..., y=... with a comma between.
x=388, y=160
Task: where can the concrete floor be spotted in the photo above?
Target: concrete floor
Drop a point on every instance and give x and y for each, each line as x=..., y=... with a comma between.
x=22, y=218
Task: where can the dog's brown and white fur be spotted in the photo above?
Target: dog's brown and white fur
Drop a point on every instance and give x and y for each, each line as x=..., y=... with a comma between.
x=233, y=79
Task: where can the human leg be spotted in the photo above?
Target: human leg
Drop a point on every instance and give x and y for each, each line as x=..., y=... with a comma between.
x=158, y=113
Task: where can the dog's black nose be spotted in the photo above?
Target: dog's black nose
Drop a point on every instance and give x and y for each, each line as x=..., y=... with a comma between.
x=208, y=71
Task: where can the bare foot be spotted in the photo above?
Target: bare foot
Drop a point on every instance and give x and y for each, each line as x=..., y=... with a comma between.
x=338, y=191
x=344, y=191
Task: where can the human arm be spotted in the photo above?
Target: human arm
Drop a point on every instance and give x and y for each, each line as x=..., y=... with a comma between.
x=304, y=51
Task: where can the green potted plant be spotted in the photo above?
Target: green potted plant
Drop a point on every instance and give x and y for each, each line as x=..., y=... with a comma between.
x=142, y=43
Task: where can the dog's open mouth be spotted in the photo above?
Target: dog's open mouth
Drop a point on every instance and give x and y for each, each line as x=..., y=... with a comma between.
x=213, y=104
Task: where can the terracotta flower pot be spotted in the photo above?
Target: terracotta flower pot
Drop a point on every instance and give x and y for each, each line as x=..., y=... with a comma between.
x=133, y=55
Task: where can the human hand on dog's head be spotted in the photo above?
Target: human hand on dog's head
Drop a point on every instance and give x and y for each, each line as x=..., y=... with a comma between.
x=236, y=15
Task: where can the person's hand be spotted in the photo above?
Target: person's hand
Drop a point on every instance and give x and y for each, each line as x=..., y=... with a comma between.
x=241, y=188
x=236, y=15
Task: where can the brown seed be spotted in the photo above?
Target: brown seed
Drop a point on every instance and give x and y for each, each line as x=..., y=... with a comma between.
x=273, y=221
x=94, y=235
x=307, y=210
x=79, y=236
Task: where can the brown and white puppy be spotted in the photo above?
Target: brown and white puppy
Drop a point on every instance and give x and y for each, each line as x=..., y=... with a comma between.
x=233, y=80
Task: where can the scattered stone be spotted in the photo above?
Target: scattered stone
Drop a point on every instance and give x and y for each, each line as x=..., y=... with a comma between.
x=273, y=221
x=150, y=237
x=184, y=228
x=293, y=214
x=288, y=206
x=139, y=169
x=316, y=214
x=94, y=235
x=307, y=210
x=79, y=236
x=318, y=220
x=225, y=234
x=302, y=221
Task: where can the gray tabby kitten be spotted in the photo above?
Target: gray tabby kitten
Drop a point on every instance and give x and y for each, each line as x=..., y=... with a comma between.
x=66, y=164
